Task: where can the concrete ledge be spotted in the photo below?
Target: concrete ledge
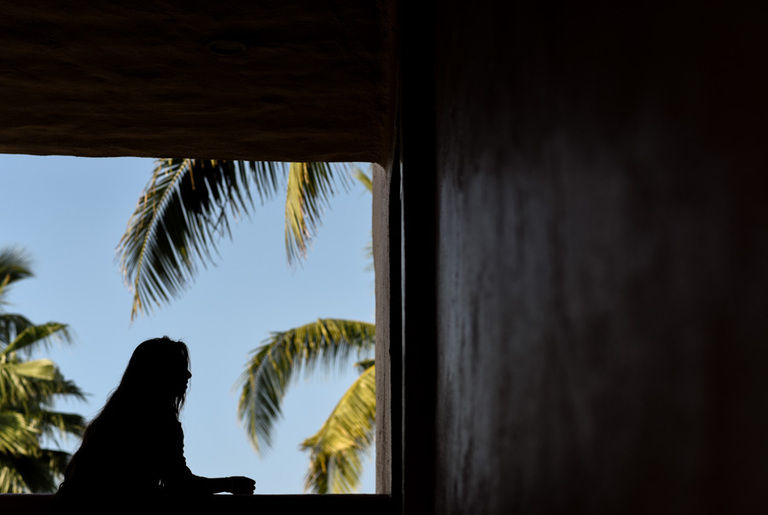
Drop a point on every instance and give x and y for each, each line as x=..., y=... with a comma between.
x=352, y=504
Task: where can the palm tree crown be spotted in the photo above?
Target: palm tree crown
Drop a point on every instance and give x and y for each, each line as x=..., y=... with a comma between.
x=28, y=389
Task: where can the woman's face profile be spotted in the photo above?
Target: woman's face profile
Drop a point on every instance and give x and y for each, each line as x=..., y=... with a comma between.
x=180, y=378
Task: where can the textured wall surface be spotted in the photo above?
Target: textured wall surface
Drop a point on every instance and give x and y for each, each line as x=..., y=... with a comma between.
x=602, y=259
x=382, y=180
x=136, y=78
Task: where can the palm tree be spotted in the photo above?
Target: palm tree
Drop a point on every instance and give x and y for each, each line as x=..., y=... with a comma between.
x=184, y=209
x=337, y=449
x=28, y=389
x=188, y=205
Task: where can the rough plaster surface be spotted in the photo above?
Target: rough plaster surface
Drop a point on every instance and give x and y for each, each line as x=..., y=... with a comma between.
x=382, y=179
x=134, y=78
x=602, y=260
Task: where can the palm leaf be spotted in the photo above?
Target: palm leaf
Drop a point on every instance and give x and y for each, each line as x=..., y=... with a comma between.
x=11, y=324
x=37, y=369
x=309, y=190
x=17, y=435
x=189, y=205
x=20, y=385
x=38, y=334
x=184, y=210
x=15, y=264
x=36, y=473
x=324, y=343
x=31, y=385
x=337, y=449
x=53, y=424
x=364, y=179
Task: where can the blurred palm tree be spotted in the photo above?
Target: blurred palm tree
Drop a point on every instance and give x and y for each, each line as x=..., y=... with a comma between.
x=28, y=389
x=338, y=448
x=186, y=207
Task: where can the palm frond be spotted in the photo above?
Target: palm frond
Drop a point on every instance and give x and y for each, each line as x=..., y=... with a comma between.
x=188, y=206
x=36, y=369
x=32, y=473
x=21, y=384
x=17, y=435
x=15, y=264
x=364, y=178
x=310, y=188
x=364, y=365
x=37, y=335
x=4, y=282
x=11, y=324
x=31, y=385
x=337, y=449
x=324, y=343
x=184, y=211
x=53, y=424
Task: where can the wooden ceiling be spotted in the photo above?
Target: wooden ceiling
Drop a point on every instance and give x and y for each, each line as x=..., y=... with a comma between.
x=305, y=80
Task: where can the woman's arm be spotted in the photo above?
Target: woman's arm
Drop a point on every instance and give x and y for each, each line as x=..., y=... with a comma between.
x=178, y=479
x=237, y=485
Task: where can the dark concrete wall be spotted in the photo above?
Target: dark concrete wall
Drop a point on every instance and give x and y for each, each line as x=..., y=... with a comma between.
x=602, y=250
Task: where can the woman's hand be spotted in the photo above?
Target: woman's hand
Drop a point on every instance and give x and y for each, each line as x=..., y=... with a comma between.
x=240, y=485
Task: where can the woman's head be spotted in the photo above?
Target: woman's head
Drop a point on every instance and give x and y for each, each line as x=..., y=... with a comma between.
x=158, y=371
x=153, y=387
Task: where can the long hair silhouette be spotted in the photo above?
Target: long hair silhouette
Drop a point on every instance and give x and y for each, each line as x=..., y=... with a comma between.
x=134, y=448
x=153, y=378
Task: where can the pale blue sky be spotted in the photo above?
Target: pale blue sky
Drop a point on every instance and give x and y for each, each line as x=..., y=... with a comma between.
x=69, y=214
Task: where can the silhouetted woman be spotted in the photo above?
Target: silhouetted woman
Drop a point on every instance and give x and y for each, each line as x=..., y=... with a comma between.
x=132, y=453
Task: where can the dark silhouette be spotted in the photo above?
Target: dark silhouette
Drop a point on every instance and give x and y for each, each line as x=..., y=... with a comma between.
x=132, y=453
